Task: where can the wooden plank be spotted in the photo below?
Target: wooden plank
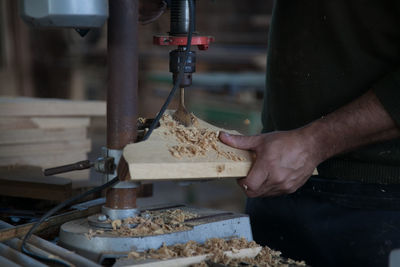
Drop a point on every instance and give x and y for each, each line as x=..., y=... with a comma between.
x=7, y=123
x=14, y=181
x=188, y=261
x=62, y=147
x=36, y=190
x=41, y=135
x=79, y=178
x=152, y=160
x=49, y=107
x=45, y=161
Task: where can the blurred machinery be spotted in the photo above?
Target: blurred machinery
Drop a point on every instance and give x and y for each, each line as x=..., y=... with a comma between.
x=122, y=125
x=179, y=29
x=81, y=15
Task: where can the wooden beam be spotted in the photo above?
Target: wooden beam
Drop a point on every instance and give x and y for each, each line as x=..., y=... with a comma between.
x=27, y=136
x=7, y=123
x=49, y=107
x=54, y=188
x=29, y=182
x=36, y=149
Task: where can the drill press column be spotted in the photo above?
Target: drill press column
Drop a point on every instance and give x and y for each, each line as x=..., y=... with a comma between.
x=122, y=92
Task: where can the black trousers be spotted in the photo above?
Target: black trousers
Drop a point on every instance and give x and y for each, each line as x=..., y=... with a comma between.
x=331, y=223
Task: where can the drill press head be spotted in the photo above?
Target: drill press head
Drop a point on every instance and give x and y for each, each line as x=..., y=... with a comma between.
x=179, y=29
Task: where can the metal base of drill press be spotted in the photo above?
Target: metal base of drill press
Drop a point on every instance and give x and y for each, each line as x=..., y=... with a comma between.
x=209, y=224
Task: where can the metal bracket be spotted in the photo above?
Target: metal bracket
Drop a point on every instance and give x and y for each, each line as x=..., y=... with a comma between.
x=105, y=165
x=116, y=155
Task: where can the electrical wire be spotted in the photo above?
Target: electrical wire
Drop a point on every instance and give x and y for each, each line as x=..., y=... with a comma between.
x=180, y=74
x=54, y=210
x=70, y=201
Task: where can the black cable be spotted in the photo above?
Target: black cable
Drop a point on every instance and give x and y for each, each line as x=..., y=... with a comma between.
x=180, y=74
x=54, y=210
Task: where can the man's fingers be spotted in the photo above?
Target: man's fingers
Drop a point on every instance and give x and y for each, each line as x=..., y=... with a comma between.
x=239, y=141
x=288, y=186
x=257, y=176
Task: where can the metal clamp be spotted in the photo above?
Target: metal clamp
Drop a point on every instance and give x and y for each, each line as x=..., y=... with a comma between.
x=116, y=155
x=105, y=165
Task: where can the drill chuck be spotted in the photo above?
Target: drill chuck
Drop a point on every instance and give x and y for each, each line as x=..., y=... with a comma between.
x=180, y=22
x=175, y=58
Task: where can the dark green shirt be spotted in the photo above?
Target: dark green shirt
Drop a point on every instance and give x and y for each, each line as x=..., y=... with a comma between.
x=323, y=54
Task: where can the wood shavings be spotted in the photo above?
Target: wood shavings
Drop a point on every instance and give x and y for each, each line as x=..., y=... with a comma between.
x=194, y=141
x=151, y=223
x=116, y=224
x=216, y=248
x=141, y=120
x=266, y=258
x=92, y=233
x=134, y=255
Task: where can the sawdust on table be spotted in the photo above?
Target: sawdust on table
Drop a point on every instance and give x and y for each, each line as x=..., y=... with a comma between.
x=149, y=223
x=93, y=233
x=194, y=141
x=215, y=248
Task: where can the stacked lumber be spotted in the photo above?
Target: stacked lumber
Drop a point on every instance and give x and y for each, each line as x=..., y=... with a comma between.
x=15, y=180
x=46, y=132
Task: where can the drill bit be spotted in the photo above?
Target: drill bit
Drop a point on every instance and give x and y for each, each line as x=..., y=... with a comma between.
x=181, y=115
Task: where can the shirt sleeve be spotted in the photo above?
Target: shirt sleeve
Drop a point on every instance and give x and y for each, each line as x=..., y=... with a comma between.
x=388, y=92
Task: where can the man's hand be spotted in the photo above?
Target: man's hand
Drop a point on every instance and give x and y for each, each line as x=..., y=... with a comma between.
x=284, y=161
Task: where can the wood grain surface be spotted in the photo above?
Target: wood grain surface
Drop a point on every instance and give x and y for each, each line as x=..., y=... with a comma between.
x=152, y=160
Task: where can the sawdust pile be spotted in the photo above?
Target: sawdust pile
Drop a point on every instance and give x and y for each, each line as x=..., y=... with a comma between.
x=150, y=223
x=215, y=248
x=155, y=223
x=93, y=233
x=265, y=258
x=194, y=141
x=192, y=248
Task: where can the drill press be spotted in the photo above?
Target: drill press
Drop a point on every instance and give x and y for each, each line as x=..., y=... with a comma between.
x=122, y=130
x=179, y=29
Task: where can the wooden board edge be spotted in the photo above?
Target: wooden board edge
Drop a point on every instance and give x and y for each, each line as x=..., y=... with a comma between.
x=202, y=170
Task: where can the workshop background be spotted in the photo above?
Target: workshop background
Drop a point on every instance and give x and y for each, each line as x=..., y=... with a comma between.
x=227, y=87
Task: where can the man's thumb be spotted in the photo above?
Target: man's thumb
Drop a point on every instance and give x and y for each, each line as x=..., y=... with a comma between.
x=238, y=141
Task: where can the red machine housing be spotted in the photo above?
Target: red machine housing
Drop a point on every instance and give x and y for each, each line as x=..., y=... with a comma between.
x=202, y=42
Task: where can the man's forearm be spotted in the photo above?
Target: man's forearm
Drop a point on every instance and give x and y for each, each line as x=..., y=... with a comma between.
x=361, y=122
x=285, y=160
